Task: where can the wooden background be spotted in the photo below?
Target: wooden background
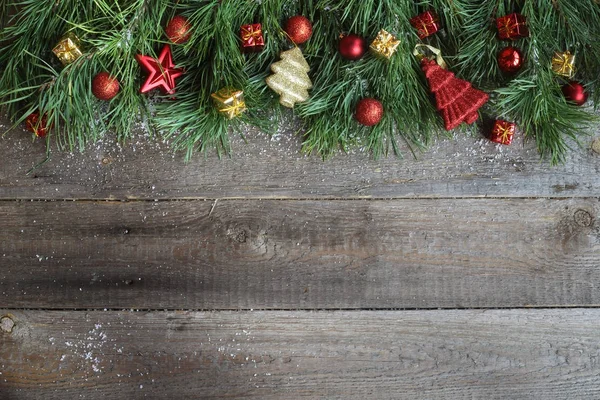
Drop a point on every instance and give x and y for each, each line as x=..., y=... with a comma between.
x=471, y=272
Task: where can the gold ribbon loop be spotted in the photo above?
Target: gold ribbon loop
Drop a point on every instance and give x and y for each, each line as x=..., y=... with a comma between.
x=424, y=50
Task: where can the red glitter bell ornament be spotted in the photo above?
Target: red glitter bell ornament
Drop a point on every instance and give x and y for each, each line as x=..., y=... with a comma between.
x=369, y=111
x=104, y=86
x=178, y=29
x=510, y=60
x=299, y=29
x=575, y=93
x=353, y=47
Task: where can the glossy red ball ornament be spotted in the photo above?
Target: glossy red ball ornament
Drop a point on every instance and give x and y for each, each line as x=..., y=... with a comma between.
x=369, y=111
x=510, y=60
x=353, y=47
x=575, y=93
x=178, y=29
x=104, y=86
x=299, y=29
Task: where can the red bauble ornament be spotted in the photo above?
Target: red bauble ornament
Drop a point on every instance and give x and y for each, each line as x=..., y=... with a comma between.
x=299, y=29
x=353, y=47
x=369, y=111
x=104, y=86
x=455, y=98
x=178, y=29
x=37, y=125
x=575, y=93
x=510, y=59
x=161, y=72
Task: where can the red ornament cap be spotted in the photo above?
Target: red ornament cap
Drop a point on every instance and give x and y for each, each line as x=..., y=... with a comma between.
x=575, y=93
x=353, y=47
x=104, y=86
x=299, y=29
x=369, y=111
x=510, y=59
x=161, y=72
x=178, y=29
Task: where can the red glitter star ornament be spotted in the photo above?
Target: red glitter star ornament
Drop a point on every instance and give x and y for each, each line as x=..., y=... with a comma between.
x=161, y=72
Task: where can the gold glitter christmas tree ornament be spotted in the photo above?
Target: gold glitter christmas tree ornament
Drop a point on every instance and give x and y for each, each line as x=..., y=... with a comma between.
x=68, y=49
x=290, y=78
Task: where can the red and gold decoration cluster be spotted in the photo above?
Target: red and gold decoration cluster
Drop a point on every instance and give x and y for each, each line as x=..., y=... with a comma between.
x=512, y=26
x=502, y=132
x=178, y=29
x=252, y=38
x=563, y=64
x=298, y=29
x=426, y=24
x=455, y=98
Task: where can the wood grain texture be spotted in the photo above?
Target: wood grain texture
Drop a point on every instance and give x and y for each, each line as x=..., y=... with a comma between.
x=494, y=354
x=283, y=254
x=461, y=167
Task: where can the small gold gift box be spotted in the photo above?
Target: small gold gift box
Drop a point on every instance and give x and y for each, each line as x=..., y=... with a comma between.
x=229, y=102
x=385, y=44
x=564, y=64
x=68, y=49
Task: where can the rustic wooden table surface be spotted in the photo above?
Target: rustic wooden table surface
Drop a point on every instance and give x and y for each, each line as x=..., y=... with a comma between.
x=471, y=272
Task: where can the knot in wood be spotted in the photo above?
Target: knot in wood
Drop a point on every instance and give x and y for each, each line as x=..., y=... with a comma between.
x=583, y=218
x=596, y=145
x=7, y=324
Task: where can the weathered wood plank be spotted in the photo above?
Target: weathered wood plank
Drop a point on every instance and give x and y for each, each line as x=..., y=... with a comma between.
x=495, y=354
x=283, y=254
x=464, y=167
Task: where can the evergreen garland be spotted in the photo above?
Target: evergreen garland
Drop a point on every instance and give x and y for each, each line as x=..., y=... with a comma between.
x=113, y=32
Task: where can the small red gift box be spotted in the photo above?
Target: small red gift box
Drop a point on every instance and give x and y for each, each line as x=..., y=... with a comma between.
x=426, y=24
x=252, y=37
x=512, y=26
x=502, y=132
x=37, y=125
